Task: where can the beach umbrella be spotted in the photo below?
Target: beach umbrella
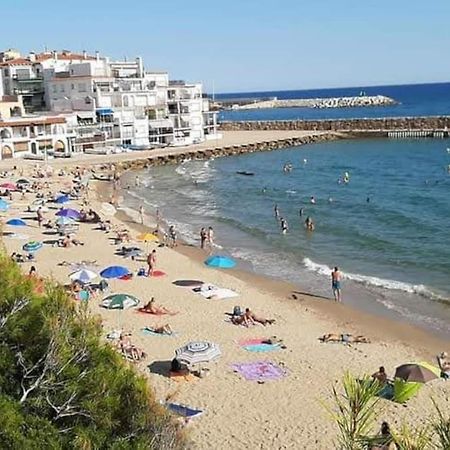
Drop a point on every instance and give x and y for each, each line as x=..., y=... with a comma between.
x=64, y=221
x=222, y=262
x=114, y=272
x=197, y=352
x=120, y=301
x=62, y=199
x=23, y=181
x=83, y=275
x=68, y=212
x=108, y=209
x=16, y=223
x=188, y=283
x=417, y=372
x=8, y=185
x=32, y=246
x=147, y=237
x=3, y=205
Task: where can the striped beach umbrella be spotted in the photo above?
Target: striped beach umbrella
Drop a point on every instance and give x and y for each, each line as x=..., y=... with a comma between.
x=197, y=353
x=120, y=301
x=64, y=221
x=83, y=275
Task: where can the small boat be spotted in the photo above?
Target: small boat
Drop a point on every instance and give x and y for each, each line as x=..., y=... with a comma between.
x=243, y=172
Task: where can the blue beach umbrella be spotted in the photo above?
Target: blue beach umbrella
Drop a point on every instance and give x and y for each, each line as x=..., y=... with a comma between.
x=64, y=221
x=62, y=199
x=32, y=246
x=16, y=223
x=3, y=205
x=220, y=261
x=114, y=272
x=68, y=212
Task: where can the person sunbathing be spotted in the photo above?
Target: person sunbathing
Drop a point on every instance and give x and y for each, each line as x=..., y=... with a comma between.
x=345, y=338
x=128, y=349
x=152, y=308
x=162, y=329
x=245, y=319
x=258, y=319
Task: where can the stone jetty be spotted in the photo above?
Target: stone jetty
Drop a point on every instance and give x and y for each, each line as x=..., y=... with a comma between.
x=333, y=102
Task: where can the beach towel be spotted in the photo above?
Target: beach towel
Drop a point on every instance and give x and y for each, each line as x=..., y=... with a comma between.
x=157, y=273
x=184, y=411
x=259, y=371
x=210, y=291
x=149, y=331
x=258, y=345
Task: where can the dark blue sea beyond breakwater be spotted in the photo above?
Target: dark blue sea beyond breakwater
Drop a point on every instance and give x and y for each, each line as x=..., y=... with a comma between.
x=388, y=228
x=415, y=100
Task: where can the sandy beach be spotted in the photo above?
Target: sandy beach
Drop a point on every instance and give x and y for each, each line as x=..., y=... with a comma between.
x=277, y=414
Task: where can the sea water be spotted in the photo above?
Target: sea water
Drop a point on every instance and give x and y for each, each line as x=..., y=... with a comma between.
x=388, y=228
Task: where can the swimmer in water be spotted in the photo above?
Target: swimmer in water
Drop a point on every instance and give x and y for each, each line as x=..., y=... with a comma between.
x=312, y=200
x=276, y=211
x=368, y=199
x=264, y=189
x=305, y=161
x=284, y=225
x=330, y=199
x=300, y=212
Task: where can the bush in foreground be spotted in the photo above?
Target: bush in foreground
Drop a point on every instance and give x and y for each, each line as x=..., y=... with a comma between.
x=60, y=386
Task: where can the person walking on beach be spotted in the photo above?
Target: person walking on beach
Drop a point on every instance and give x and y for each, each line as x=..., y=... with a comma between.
x=151, y=261
x=203, y=237
x=336, y=284
x=40, y=216
x=141, y=214
x=172, y=236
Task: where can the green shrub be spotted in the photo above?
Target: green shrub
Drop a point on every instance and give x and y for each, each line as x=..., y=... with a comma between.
x=61, y=386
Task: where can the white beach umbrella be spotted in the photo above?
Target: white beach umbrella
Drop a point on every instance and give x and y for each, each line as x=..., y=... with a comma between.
x=108, y=209
x=197, y=353
x=83, y=275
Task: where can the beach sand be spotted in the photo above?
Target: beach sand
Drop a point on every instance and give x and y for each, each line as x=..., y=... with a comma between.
x=239, y=414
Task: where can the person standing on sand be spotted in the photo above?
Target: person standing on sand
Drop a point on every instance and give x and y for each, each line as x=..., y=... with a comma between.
x=203, y=237
x=210, y=237
x=141, y=214
x=151, y=261
x=40, y=216
x=336, y=284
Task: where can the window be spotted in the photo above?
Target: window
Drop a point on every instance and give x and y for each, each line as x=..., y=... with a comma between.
x=63, y=89
x=82, y=87
x=73, y=87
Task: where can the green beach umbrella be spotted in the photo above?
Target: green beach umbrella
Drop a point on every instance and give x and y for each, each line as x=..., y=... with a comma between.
x=120, y=301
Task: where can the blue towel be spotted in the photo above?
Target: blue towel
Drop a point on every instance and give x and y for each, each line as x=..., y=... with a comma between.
x=261, y=348
x=184, y=411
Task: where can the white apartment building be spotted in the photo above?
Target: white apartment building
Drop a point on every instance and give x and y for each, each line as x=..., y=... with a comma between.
x=108, y=103
x=37, y=137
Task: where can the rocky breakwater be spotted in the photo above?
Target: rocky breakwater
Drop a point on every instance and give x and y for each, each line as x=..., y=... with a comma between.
x=348, y=125
x=217, y=152
x=333, y=102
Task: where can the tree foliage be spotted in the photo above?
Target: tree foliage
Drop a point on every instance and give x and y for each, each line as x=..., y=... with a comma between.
x=60, y=385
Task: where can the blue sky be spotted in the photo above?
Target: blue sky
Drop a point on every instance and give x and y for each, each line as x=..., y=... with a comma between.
x=248, y=45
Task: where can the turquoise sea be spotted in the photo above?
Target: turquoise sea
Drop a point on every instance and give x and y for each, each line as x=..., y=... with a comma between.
x=388, y=228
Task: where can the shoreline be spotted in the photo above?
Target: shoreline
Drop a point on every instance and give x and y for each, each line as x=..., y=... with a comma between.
x=378, y=326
